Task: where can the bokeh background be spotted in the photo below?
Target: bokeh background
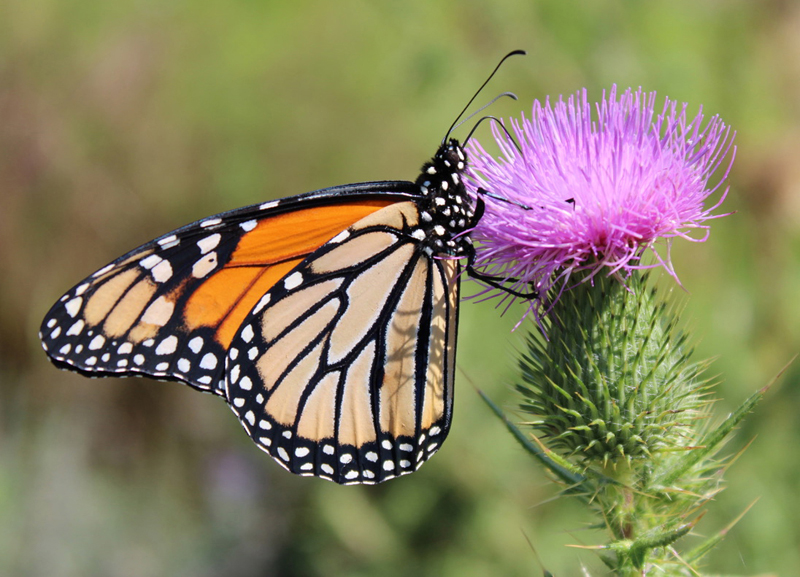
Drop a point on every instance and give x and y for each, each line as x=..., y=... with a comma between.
x=122, y=120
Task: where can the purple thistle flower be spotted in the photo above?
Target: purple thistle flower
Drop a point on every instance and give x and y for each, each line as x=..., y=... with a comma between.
x=600, y=192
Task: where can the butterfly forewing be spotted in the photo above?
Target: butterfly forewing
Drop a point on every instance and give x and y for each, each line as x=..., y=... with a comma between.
x=357, y=387
x=171, y=307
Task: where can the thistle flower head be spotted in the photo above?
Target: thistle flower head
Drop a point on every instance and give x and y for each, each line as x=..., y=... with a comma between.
x=598, y=192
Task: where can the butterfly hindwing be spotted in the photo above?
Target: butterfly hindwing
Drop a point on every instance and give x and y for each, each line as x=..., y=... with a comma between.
x=170, y=308
x=344, y=369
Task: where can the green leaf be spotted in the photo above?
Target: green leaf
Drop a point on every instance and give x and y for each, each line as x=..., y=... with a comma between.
x=709, y=443
x=560, y=467
x=697, y=553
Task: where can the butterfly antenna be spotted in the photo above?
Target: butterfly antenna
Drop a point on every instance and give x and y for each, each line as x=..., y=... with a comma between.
x=485, y=106
x=502, y=127
x=474, y=96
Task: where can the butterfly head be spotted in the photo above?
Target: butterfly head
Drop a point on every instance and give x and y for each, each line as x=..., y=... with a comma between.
x=446, y=209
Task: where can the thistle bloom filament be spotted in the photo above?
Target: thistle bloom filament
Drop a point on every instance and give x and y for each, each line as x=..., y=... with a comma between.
x=600, y=191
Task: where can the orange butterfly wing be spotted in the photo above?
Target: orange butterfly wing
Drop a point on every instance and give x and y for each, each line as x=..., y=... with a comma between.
x=170, y=308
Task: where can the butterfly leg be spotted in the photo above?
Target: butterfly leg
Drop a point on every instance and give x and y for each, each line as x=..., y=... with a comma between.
x=493, y=281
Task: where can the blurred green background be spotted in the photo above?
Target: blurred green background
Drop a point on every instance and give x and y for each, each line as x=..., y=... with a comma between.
x=122, y=120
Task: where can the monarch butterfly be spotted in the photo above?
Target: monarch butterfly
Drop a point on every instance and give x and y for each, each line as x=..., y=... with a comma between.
x=327, y=320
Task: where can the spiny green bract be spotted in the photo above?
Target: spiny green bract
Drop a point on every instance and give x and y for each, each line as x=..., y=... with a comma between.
x=612, y=379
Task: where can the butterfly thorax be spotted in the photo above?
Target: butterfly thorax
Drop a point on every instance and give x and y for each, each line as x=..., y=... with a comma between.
x=446, y=210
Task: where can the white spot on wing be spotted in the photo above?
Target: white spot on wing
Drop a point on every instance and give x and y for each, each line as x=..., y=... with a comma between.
x=261, y=304
x=247, y=333
x=168, y=346
x=97, y=343
x=294, y=280
x=211, y=222
x=169, y=241
x=268, y=205
x=246, y=383
x=184, y=365
x=196, y=344
x=341, y=236
x=149, y=262
x=204, y=265
x=162, y=271
x=209, y=243
x=301, y=451
x=73, y=306
x=103, y=270
x=209, y=361
x=249, y=225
